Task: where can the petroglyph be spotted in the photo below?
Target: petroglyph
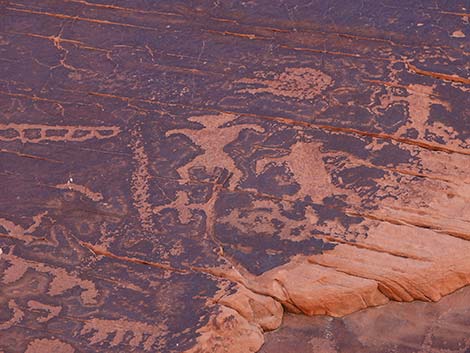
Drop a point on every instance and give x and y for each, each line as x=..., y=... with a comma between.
x=16, y=315
x=182, y=205
x=94, y=196
x=17, y=231
x=305, y=162
x=142, y=334
x=299, y=83
x=61, y=279
x=50, y=310
x=418, y=100
x=34, y=133
x=170, y=192
x=140, y=182
x=215, y=129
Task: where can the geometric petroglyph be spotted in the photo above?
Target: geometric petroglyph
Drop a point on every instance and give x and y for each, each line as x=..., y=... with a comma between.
x=34, y=133
x=141, y=333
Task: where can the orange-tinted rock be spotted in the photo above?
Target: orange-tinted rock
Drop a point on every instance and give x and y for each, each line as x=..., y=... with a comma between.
x=258, y=309
x=228, y=331
x=316, y=290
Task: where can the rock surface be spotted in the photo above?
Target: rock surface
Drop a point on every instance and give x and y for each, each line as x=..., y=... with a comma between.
x=175, y=173
x=416, y=327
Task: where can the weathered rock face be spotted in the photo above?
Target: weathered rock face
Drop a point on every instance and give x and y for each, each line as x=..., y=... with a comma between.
x=173, y=174
x=417, y=327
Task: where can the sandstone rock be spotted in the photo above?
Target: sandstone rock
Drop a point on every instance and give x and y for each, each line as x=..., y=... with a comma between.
x=228, y=331
x=258, y=309
x=316, y=290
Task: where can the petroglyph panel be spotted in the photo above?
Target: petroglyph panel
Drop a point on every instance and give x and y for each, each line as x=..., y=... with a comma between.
x=175, y=176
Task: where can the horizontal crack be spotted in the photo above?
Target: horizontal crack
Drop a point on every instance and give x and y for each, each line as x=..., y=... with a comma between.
x=424, y=145
x=338, y=53
x=373, y=248
x=78, y=18
x=312, y=261
x=398, y=221
x=57, y=40
x=25, y=155
x=241, y=35
x=438, y=75
x=125, y=9
x=36, y=98
x=98, y=251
